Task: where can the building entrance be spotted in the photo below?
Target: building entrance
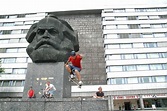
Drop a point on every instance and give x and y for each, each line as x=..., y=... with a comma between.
x=127, y=105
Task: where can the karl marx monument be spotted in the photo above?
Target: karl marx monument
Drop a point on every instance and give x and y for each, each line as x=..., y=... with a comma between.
x=50, y=42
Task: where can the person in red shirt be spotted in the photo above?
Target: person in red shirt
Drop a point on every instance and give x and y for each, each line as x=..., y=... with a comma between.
x=75, y=66
x=30, y=93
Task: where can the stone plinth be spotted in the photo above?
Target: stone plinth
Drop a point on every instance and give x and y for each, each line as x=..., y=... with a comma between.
x=39, y=73
x=55, y=104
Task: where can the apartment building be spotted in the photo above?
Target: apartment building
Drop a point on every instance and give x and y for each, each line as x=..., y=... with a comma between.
x=14, y=59
x=135, y=42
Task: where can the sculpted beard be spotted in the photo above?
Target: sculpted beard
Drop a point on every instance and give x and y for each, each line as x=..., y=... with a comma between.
x=51, y=52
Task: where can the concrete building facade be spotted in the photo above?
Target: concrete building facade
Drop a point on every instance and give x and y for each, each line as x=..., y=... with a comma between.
x=124, y=49
x=135, y=42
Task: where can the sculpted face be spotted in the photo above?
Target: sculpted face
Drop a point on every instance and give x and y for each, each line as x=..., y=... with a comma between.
x=49, y=42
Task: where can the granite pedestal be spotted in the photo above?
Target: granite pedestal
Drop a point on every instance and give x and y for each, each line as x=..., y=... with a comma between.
x=39, y=73
x=54, y=104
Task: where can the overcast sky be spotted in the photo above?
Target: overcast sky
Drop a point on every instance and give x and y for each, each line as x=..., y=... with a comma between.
x=22, y=6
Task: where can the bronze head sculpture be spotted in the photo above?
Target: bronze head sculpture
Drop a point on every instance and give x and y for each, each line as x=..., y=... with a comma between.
x=51, y=40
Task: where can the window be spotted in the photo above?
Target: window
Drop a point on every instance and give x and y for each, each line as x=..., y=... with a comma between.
x=8, y=24
x=138, y=45
x=19, y=83
x=112, y=57
x=1, y=83
x=118, y=10
x=12, y=16
x=21, y=16
x=145, y=26
x=123, y=35
x=19, y=71
x=163, y=16
x=6, y=32
x=141, y=10
x=129, y=68
x=5, y=83
x=109, y=18
x=164, y=66
x=12, y=83
x=122, y=26
x=13, y=40
x=122, y=46
x=30, y=15
x=145, y=79
x=143, y=17
x=22, y=50
x=28, y=22
x=132, y=80
x=153, y=55
x=9, y=60
x=114, y=68
x=159, y=79
x=21, y=60
x=24, y=31
x=23, y=40
x=127, y=56
x=111, y=36
x=131, y=17
x=23, y=83
x=151, y=10
x=3, y=16
x=156, y=25
x=147, y=35
x=11, y=50
x=159, y=35
x=2, y=50
x=150, y=45
x=112, y=46
x=164, y=55
x=152, y=17
x=164, y=25
x=1, y=24
x=110, y=27
x=18, y=23
x=133, y=26
x=120, y=18
x=117, y=81
x=162, y=9
x=142, y=67
x=162, y=44
x=155, y=66
x=135, y=35
x=16, y=31
x=4, y=41
x=130, y=10
x=8, y=70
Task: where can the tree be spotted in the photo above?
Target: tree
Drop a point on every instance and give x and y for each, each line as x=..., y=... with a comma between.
x=1, y=69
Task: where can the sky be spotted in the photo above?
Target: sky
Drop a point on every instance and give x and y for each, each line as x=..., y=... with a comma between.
x=22, y=6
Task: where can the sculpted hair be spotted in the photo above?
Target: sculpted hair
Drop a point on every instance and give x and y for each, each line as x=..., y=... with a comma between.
x=67, y=31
